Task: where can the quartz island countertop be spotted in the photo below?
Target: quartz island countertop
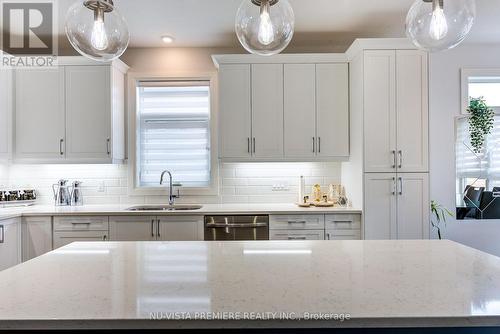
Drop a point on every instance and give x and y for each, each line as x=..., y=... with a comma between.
x=263, y=284
x=207, y=209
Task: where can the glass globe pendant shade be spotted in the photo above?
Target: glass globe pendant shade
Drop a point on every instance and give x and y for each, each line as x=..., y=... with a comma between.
x=436, y=25
x=97, y=30
x=265, y=27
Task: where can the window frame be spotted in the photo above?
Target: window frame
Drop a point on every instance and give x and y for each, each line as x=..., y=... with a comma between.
x=465, y=74
x=133, y=79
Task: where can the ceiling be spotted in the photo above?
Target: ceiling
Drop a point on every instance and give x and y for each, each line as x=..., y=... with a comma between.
x=327, y=24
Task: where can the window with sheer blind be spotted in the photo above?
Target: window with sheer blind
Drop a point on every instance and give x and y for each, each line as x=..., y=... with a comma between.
x=173, y=132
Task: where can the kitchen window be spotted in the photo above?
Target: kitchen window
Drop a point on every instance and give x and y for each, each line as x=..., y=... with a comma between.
x=173, y=133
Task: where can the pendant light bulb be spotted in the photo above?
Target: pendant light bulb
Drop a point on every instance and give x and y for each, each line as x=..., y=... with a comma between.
x=266, y=30
x=99, y=38
x=438, y=28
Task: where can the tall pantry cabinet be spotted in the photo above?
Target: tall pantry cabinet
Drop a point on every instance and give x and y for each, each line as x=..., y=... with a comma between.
x=395, y=144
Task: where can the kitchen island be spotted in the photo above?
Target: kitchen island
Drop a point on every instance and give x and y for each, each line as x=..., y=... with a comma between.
x=255, y=285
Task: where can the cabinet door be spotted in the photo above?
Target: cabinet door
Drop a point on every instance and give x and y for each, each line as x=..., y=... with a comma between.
x=65, y=238
x=267, y=110
x=380, y=206
x=180, y=228
x=39, y=105
x=297, y=235
x=37, y=236
x=10, y=243
x=88, y=113
x=413, y=206
x=5, y=112
x=132, y=228
x=300, y=110
x=235, y=111
x=380, y=111
x=412, y=111
x=332, y=109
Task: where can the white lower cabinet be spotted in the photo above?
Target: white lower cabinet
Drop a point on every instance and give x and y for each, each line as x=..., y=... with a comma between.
x=396, y=206
x=10, y=242
x=150, y=228
x=37, y=236
x=70, y=229
x=340, y=226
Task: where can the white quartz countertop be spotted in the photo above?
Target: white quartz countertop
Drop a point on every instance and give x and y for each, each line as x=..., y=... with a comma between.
x=375, y=283
x=207, y=209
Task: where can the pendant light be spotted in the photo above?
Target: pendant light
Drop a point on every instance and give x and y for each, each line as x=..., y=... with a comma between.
x=436, y=25
x=265, y=27
x=97, y=30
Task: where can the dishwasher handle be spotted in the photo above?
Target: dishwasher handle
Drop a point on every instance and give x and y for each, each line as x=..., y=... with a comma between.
x=221, y=225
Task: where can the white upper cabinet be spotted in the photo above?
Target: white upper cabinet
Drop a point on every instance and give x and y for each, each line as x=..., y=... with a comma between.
x=300, y=111
x=332, y=110
x=5, y=113
x=39, y=114
x=70, y=114
x=267, y=110
x=283, y=108
x=380, y=111
x=235, y=111
x=88, y=117
x=412, y=111
x=396, y=111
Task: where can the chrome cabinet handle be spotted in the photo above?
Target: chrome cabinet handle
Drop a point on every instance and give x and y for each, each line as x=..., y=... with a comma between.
x=61, y=151
x=2, y=235
x=297, y=238
x=319, y=144
x=328, y=236
x=400, y=154
x=314, y=145
x=248, y=144
x=158, y=226
x=343, y=221
x=394, y=186
x=104, y=237
x=80, y=223
x=108, y=149
x=401, y=186
x=254, y=149
x=297, y=222
x=152, y=228
x=393, y=158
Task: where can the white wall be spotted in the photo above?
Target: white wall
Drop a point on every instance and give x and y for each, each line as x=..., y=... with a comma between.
x=445, y=104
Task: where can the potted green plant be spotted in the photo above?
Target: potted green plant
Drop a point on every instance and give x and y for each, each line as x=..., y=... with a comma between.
x=480, y=122
x=438, y=216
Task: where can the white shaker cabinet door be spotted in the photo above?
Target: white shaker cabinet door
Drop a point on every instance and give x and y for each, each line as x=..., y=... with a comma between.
x=332, y=104
x=88, y=113
x=180, y=228
x=267, y=111
x=380, y=111
x=134, y=228
x=10, y=243
x=300, y=111
x=380, y=220
x=5, y=113
x=36, y=236
x=235, y=111
x=39, y=114
x=413, y=206
x=412, y=111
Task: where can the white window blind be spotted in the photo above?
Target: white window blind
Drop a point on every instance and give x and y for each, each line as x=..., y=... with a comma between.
x=174, y=132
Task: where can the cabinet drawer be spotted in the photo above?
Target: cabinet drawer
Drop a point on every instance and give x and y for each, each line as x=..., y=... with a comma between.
x=343, y=235
x=297, y=235
x=81, y=223
x=65, y=238
x=342, y=222
x=297, y=222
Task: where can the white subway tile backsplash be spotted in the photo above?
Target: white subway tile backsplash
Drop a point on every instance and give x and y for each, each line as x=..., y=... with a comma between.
x=239, y=182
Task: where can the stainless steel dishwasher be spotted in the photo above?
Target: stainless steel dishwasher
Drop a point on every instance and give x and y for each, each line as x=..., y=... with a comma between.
x=236, y=228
